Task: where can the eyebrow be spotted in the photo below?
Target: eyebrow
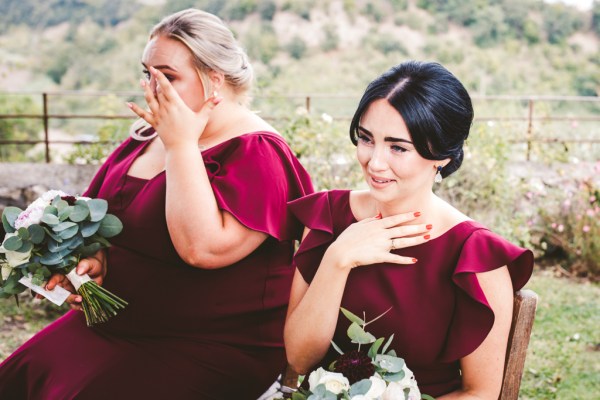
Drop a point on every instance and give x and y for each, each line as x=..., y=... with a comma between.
x=387, y=138
x=161, y=67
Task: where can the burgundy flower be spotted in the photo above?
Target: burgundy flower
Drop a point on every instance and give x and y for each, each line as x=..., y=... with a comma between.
x=355, y=365
x=69, y=199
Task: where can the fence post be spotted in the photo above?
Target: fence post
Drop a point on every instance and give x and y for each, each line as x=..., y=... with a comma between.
x=45, y=118
x=530, y=128
x=307, y=103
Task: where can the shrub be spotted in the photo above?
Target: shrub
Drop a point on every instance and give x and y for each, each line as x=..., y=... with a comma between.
x=296, y=48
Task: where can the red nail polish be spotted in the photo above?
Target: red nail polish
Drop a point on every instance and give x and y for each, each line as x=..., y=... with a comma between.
x=414, y=260
x=378, y=216
x=417, y=214
x=426, y=237
x=429, y=226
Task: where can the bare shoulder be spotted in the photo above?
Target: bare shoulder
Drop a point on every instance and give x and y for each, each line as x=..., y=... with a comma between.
x=362, y=204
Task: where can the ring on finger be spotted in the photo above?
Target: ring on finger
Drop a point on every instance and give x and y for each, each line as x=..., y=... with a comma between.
x=393, y=244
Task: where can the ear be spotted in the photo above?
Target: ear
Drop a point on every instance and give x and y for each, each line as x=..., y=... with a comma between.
x=217, y=79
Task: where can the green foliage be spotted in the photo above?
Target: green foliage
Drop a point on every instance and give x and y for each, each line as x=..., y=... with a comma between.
x=560, y=22
x=595, y=24
x=299, y=7
x=331, y=40
x=568, y=226
x=18, y=129
x=325, y=149
x=261, y=42
x=267, y=9
x=296, y=48
x=374, y=11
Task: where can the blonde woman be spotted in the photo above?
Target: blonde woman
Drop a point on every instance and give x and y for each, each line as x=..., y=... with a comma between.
x=204, y=259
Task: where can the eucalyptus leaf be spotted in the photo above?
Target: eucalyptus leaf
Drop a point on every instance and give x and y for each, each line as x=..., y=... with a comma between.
x=387, y=344
x=50, y=219
x=13, y=243
x=26, y=247
x=69, y=232
x=23, y=233
x=110, y=226
x=75, y=242
x=9, y=216
x=65, y=213
x=375, y=347
x=298, y=396
x=51, y=258
x=51, y=210
x=426, y=397
x=36, y=233
x=99, y=239
x=336, y=347
x=80, y=212
x=90, y=249
x=389, y=363
x=59, y=203
x=63, y=225
x=89, y=228
x=352, y=317
x=98, y=209
x=358, y=334
x=395, y=377
x=50, y=233
x=12, y=286
x=360, y=387
x=55, y=246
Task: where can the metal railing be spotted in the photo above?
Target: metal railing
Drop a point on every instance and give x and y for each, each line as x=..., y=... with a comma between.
x=307, y=101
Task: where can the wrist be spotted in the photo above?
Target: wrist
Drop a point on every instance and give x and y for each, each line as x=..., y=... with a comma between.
x=335, y=258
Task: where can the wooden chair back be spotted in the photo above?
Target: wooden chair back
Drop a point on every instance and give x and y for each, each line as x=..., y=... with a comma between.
x=524, y=306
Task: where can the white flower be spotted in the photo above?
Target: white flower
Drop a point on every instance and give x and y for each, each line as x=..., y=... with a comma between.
x=32, y=215
x=333, y=381
x=377, y=388
x=327, y=118
x=13, y=258
x=51, y=194
x=395, y=390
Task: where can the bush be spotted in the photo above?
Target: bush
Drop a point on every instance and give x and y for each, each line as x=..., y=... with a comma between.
x=569, y=227
x=296, y=48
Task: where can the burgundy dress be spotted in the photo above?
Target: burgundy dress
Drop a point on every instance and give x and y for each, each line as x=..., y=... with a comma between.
x=187, y=333
x=439, y=313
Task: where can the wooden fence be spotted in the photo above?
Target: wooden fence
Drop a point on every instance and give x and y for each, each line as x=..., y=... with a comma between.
x=528, y=104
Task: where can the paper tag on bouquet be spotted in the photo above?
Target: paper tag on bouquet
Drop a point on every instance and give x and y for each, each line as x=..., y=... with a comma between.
x=58, y=295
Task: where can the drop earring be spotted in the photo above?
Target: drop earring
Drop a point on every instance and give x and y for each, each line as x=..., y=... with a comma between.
x=438, y=175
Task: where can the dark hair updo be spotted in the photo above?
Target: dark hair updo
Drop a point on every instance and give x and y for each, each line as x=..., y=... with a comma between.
x=434, y=105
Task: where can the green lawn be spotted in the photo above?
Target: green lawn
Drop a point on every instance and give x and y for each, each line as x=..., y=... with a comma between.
x=563, y=360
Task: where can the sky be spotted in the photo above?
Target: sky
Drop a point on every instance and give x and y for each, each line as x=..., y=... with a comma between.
x=581, y=4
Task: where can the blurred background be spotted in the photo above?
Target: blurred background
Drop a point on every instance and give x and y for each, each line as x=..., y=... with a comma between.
x=532, y=165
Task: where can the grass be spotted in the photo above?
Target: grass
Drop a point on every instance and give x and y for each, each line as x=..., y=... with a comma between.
x=563, y=360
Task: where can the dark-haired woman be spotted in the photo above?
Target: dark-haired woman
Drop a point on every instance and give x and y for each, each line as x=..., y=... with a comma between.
x=448, y=280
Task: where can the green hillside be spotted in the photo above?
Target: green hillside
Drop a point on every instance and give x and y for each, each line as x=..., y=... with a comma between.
x=327, y=46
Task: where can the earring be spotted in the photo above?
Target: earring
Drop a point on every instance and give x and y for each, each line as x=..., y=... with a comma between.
x=438, y=175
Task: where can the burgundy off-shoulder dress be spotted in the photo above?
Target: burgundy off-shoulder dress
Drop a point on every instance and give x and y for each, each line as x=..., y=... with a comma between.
x=187, y=333
x=439, y=313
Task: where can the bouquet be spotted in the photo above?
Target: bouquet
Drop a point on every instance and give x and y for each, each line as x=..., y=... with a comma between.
x=51, y=236
x=375, y=374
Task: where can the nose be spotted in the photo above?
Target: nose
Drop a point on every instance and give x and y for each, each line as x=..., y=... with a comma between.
x=378, y=159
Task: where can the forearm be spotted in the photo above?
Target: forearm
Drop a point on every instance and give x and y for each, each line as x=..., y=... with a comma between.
x=312, y=323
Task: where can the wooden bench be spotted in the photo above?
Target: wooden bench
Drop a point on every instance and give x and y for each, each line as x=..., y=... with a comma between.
x=525, y=303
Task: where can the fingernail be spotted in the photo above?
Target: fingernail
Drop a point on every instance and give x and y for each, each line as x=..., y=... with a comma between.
x=78, y=299
x=129, y=105
x=429, y=226
x=426, y=237
x=417, y=214
x=142, y=83
x=378, y=216
x=414, y=260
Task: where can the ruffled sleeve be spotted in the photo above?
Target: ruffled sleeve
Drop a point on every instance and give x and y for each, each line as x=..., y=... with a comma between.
x=473, y=318
x=316, y=212
x=253, y=177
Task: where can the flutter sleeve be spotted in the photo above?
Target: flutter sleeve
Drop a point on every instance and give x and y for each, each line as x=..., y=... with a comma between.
x=253, y=178
x=473, y=318
x=316, y=213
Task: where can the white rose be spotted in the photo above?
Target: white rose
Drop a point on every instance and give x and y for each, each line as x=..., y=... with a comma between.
x=51, y=194
x=377, y=389
x=13, y=258
x=395, y=390
x=32, y=215
x=333, y=381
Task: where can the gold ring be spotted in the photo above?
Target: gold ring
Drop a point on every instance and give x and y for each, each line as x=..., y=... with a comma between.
x=393, y=244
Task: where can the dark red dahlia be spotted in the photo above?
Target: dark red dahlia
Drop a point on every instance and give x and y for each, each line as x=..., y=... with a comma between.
x=355, y=365
x=69, y=199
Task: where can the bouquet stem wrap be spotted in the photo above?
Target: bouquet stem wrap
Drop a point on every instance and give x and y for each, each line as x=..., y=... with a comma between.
x=98, y=303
